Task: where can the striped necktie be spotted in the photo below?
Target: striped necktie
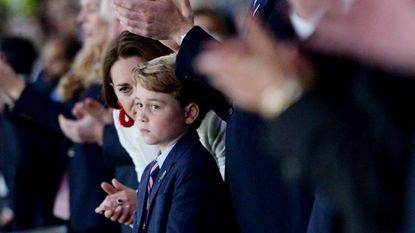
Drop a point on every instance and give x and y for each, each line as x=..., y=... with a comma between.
x=151, y=180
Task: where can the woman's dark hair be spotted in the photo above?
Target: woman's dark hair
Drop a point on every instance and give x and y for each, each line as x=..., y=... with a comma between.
x=127, y=45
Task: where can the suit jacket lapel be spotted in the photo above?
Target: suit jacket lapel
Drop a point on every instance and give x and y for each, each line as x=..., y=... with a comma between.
x=142, y=197
x=177, y=151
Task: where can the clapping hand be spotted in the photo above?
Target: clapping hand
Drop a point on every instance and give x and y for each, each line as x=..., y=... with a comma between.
x=88, y=127
x=120, y=203
x=160, y=20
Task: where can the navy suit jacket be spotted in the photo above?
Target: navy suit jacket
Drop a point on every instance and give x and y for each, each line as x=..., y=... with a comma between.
x=87, y=166
x=29, y=155
x=32, y=168
x=188, y=195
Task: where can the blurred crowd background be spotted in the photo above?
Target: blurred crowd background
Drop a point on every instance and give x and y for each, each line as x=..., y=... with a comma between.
x=39, y=20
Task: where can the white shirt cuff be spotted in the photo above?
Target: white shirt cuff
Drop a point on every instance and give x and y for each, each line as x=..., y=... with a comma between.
x=305, y=27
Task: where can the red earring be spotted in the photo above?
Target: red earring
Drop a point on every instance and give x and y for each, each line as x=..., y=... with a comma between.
x=124, y=119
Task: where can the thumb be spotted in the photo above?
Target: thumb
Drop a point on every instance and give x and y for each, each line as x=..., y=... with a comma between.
x=108, y=188
x=64, y=123
x=78, y=110
x=185, y=8
x=118, y=185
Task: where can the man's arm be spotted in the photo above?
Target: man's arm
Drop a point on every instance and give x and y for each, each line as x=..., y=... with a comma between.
x=173, y=20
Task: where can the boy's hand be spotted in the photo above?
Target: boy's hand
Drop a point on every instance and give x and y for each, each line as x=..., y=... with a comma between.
x=120, y=203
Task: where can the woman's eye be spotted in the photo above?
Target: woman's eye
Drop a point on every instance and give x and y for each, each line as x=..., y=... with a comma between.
x=125, y=89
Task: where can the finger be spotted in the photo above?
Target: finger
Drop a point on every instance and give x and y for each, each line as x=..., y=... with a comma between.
x=131, y=219
x=91, y=104
x=78, y=110
x=118, y=185
x=94, y=108
x=108, y=213
x=123, y=4
x=136, y=26
x=186, y=9
x=125, y=215
x=108, y=188
x=67, y=127
x=99, y=210
x=116, y=214
x=135, y=13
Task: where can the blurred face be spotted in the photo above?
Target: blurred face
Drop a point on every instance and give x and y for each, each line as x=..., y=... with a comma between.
x=123, y=83
x=54, y=62
x=161, y=118
x=94, y=27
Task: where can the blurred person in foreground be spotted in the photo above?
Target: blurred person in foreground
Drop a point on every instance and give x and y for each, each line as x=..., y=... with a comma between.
x=28, y=155
x=350, y=115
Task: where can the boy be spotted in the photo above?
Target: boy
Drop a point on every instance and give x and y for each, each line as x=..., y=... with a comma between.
x=181, y=190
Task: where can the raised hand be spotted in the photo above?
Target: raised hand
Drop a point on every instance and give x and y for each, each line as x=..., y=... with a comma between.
x=244, y=68
x=84, y=130
x=376, y=31
x=160, y=20
x=120, y=203
x=93, y=108
x=92, y=117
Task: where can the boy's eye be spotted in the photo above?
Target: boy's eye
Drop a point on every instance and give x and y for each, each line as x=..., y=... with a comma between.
x=139, y=105
x=155, y=107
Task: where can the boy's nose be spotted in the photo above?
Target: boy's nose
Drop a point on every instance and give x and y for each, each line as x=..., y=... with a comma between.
x=141, y=115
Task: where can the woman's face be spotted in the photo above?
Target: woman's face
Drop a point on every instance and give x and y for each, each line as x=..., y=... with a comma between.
x=123, y=83
x=94, y=26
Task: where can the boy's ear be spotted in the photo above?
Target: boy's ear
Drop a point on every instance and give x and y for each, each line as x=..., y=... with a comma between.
x=191, y=112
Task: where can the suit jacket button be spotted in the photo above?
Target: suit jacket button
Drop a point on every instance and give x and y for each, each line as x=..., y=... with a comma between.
x=230, y=111
x=71, y=153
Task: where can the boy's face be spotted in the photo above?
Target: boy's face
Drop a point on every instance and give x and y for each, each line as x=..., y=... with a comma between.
x=161, y=118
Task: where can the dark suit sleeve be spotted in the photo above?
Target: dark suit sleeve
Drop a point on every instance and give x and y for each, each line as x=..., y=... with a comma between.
x=38, y=109
x=118, y=157
x=195, y=201
x=114, y=152
x=192, y=45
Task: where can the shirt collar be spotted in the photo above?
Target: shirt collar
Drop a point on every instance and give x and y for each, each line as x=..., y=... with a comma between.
x=162, y=157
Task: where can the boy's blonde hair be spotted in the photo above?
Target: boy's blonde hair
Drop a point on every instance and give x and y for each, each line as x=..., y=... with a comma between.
x=158, y=75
